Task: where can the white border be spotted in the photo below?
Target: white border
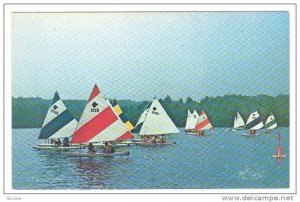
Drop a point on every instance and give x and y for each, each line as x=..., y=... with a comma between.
x=106, y=8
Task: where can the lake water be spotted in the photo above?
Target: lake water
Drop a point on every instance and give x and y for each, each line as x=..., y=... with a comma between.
x=224, y=160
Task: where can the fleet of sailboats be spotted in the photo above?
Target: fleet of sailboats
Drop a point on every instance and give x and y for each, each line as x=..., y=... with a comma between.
x=102, y=121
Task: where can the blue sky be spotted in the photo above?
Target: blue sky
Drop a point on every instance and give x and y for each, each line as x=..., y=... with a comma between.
x=139, y=55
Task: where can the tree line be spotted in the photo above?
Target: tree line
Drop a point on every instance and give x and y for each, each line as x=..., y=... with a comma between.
x=30, y=112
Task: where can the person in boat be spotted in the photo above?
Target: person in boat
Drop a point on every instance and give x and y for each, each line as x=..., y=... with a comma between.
x=66, y=142
x=52, y=141
x=161, y=139
x=58, y=142
x=201, y=133
x=252, y=132
x=108, y=148
x=268, y=131
x=91, y=147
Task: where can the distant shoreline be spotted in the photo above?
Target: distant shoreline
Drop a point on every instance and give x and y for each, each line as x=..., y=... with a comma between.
x=31, y=112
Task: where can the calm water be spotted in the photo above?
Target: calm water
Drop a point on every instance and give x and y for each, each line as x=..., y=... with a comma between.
x=224, y=160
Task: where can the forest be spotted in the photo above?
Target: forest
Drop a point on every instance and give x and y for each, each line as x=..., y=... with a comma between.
x=30, y=112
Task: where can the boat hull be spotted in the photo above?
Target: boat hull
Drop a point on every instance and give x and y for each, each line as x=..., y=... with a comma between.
x=276, y=156
x=96, y=154
x=250, y=135
x=153, y=144
x=116, y=145
x=53, y=148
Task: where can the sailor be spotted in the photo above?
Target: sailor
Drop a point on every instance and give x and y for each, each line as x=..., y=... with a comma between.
x=58, y=142
x=91, y=147
x=108, y=148
x=66, y=142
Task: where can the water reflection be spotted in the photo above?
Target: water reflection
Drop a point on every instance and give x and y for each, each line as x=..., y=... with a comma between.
x=94, y=173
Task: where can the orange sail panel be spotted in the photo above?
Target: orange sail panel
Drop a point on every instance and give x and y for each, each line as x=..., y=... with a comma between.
x=203, y=122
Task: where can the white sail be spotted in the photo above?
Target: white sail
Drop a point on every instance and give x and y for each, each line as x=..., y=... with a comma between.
x=142, y=117
x=254, y=121
x=188, y=124
x=195, y=118
x=238, y=121
x=271, y=123
x=59, y=122
x=157, y=121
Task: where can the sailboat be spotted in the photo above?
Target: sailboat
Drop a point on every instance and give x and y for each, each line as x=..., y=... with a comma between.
x=278, y=153
x=253, y=123
x=191, y=122
x=238, y=123
x=153, y=124
x=99, y=123
x=203, y=123
x=270, y=123
x=59, y=123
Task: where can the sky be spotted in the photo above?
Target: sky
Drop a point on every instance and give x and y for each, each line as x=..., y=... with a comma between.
x=144, y=54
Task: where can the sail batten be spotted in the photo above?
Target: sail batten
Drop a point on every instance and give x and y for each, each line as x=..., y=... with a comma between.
x=155, y=121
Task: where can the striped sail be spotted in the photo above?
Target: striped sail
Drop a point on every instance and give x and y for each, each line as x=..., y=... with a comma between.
x=238, y=121
x=122, y=116
x=59, y=122
x=203, y=122
x=99, y=122
x=271, y=123
x=254, y=121
x=156, y=121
